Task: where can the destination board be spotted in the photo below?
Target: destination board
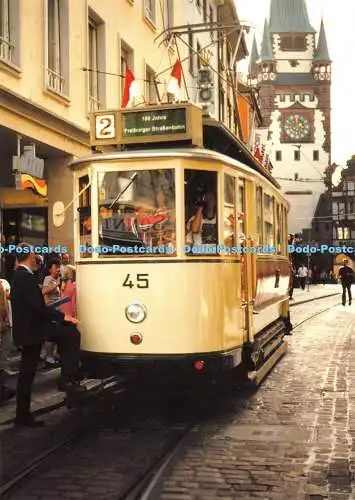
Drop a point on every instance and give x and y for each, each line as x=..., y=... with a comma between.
x=148, y=124
x=161, y=122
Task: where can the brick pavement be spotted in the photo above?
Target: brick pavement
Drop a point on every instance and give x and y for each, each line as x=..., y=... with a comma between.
x=290, y=439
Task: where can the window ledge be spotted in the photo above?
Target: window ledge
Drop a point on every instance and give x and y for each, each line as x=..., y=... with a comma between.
x=10, y=67
x=150, y=23
x=63, y=99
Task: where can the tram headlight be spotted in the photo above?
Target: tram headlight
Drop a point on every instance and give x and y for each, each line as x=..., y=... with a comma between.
x=136, y=312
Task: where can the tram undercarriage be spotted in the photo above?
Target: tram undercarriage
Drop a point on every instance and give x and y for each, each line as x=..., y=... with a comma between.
x=250, y=362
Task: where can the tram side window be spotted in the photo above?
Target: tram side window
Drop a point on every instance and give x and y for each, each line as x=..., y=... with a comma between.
x=268, y=220
x=278, y=229
x=259, y=216
x=84, y=215
x=201, y=212
x=284, y=229
x=137, y=212
x=241, y=212
x=229, y=211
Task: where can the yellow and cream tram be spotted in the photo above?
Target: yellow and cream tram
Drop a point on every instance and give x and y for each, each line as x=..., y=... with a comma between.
x=181, y=257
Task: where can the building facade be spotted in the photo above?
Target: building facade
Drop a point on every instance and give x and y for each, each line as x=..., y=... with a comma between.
x=293, y=73
x=59, y=60
x=215, y=43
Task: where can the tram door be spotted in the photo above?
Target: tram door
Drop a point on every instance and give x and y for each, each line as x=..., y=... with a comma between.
x=244, y=193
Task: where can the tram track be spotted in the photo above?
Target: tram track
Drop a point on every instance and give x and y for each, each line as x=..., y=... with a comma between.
x=335, y=301
x=109, y=386
x=147, y=483
x=157, y=437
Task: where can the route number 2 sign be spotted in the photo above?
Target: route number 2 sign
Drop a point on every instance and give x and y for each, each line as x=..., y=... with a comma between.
x=105, y=126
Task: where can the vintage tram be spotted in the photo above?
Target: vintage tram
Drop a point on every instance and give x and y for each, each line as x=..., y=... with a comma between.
x=181, y=251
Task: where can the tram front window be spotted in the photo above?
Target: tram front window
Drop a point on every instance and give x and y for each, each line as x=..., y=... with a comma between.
x=137, y=212
x=201, y=212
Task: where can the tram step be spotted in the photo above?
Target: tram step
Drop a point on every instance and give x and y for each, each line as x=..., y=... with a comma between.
x=267, y=334
x=257, y=376
x=271, y=346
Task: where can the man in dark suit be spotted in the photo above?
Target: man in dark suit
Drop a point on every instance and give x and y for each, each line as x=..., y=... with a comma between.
x=30, y=319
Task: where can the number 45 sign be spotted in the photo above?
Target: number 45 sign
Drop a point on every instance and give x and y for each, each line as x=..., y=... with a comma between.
x=139, y=281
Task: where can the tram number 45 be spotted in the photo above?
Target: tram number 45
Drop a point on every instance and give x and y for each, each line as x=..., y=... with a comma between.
x=141, y=281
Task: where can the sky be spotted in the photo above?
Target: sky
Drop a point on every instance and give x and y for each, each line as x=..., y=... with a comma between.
x=339, y=20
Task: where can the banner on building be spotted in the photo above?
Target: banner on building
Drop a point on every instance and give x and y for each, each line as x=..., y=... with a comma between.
x=26, y=181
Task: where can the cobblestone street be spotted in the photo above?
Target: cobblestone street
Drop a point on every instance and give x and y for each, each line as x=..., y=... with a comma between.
x=293, y=438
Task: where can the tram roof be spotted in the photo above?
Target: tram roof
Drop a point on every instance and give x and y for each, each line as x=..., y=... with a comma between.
x=188, y=152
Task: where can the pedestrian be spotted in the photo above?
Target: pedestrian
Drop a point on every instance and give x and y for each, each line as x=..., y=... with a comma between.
x=323, y=277
x=346, y=276
x=302, y=273
x=64, y=262
x=292, y=280
x=41, y=270
x=69, y=290
x=51, y=293
x=10, y=258
x=30, y=316
x=5, y=332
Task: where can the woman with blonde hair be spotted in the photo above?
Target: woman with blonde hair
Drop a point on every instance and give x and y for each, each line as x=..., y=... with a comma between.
x=69, y=290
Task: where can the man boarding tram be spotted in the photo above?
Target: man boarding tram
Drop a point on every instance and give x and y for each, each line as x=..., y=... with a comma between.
x=30, y=317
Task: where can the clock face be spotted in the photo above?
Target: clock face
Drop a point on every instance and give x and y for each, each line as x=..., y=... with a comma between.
x=297, y=126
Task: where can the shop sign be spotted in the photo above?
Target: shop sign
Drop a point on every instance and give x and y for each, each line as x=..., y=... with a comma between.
x=28, y=163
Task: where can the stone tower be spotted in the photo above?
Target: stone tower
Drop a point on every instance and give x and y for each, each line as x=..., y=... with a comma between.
x=294, y=75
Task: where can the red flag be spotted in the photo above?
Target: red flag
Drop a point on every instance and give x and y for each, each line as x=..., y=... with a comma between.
x=174, y=85
x=128, y=88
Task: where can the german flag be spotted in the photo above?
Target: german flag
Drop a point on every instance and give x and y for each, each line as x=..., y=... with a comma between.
x=38, y=186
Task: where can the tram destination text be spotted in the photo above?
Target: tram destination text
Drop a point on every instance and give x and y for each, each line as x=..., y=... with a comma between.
x=161, y=122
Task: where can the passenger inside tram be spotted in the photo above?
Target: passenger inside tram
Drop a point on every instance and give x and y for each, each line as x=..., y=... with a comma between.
x=144, y=215
x=201, y=227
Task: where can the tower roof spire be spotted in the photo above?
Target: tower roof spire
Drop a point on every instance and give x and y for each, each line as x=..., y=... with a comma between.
x=266, y=49
x=289, y=16
x=322, y=52
x=254, y=57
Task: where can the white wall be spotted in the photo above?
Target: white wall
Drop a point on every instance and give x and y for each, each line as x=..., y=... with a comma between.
x=302, y=205
x=306, y=168
x=304, y=58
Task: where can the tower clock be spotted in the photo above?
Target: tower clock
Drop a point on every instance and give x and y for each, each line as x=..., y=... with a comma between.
x=297, y=127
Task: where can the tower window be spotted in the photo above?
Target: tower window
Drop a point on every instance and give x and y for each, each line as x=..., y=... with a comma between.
x=286, y=43
x=292, y=97
x=316, y=155
x=312, y=97
x=282, y=98
x=299, y=43
x=293, y=43
x=297, y=155
x=278, y=155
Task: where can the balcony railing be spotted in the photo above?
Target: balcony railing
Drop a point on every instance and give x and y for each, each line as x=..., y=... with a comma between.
x=6, y=50
x=55, y=81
